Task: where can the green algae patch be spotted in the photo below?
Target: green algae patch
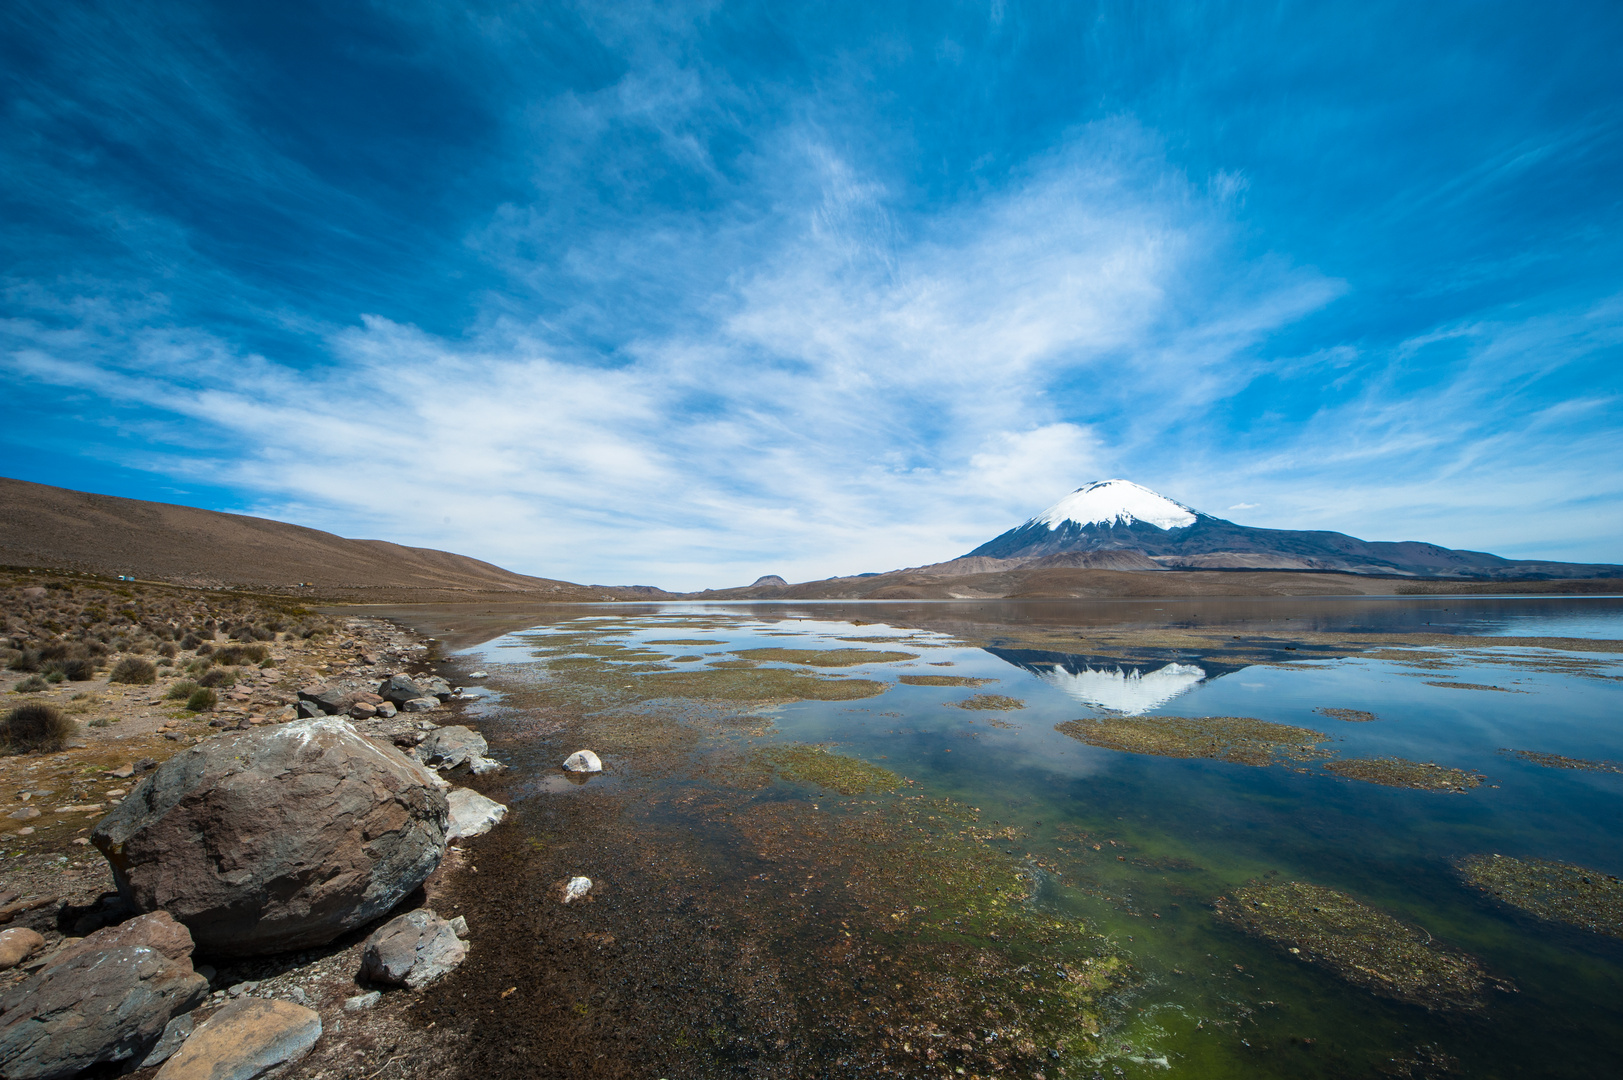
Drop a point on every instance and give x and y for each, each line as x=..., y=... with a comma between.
x=1401, y=772
x=817, y=766
x=1474, y=686
x=955, y=968
x=756, y=684
x=1242, y=740
x=1557, y=761
x=943, y=680
x=1361, y=944
x=735, y=664
x=989, y=703
x=1560, y=892
x=686, y=641
x=825, y=657
x=1352, y=716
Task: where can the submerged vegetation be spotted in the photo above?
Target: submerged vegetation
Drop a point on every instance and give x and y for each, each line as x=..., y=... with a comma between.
x=1243, y=740
x=1557, y=761
x=1560, y=892
x=816, y=766
x=1362, y=945
x=989, y=703
x=826, y=657
x=1401, y=772
x=1356, y=716
x=756, y=684
x=942, y=680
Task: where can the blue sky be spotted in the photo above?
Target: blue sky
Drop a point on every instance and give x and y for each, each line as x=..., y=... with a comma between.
x=684, y=294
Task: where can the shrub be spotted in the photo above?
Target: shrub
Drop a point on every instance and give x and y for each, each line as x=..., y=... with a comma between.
x=167, y=650
x=35, y=726
x=190, y=641
x=54, y=676
x=102, y=721
x=241, y=654
x=218, y=677
x=79, y=669
x=202, y=700
x=181, y=690
x=205, y=649
x=32, y=684
x=26, y=660
x=134, y=670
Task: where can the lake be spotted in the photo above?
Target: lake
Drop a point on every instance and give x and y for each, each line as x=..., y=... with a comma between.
x=1294, y=838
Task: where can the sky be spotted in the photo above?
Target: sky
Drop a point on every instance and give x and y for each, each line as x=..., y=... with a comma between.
x=684, y=294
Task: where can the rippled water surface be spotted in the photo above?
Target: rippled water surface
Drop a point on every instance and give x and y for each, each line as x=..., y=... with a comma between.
x=1138, y=845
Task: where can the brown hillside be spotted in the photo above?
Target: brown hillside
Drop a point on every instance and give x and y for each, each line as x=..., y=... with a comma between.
x=42, y=526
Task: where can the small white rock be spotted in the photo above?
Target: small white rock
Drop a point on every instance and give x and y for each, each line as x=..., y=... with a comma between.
x=362, y=1001
x=478, y=674
x=583, y=761
x=577, y=888
x=459, y=926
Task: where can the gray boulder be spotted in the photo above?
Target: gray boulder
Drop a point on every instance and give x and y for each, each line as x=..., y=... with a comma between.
x=247, y=1038
x=107, y=998
x=178, y=1031
x=472, y=814
x=412, y=950
x=399, y=689
x=328, y=699
x=451, y=747
x=434, y=686
x=277, y=838
x=420, y=704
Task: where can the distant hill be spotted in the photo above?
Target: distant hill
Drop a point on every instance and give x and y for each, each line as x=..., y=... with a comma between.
x=1121, y=516
x=43, y=526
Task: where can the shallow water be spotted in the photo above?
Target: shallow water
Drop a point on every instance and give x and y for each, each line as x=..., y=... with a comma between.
x=1137, y=847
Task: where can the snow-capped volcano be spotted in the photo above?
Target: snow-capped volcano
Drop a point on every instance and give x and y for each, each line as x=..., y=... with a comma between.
x=1138, y=529
x=1116, y=502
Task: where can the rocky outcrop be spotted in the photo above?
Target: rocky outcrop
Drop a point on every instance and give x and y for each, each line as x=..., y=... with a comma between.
x=247, y=1038
x=105, y=999
x=472, y=814
x=412, y=950
x=279, y=838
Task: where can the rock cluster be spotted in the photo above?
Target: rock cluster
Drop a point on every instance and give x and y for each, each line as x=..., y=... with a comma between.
x=259, y=841
x=104, y=999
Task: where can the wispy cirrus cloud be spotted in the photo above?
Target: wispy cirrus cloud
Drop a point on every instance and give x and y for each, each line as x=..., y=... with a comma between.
x=689, y=294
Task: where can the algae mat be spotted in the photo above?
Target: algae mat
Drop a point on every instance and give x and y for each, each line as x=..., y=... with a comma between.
x=1365, y=946
x=1551, y=890
x=1242, y=740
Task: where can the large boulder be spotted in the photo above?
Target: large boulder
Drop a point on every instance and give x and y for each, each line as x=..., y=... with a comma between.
x=106, y=998
x=278, y=838
x=411, y=950
x=247, y=1038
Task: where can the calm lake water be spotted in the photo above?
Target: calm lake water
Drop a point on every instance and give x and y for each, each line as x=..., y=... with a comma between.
x=1138, y=846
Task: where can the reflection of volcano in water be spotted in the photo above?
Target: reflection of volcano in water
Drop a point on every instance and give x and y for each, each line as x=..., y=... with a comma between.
x=1126, y=690
x=1129, y=692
